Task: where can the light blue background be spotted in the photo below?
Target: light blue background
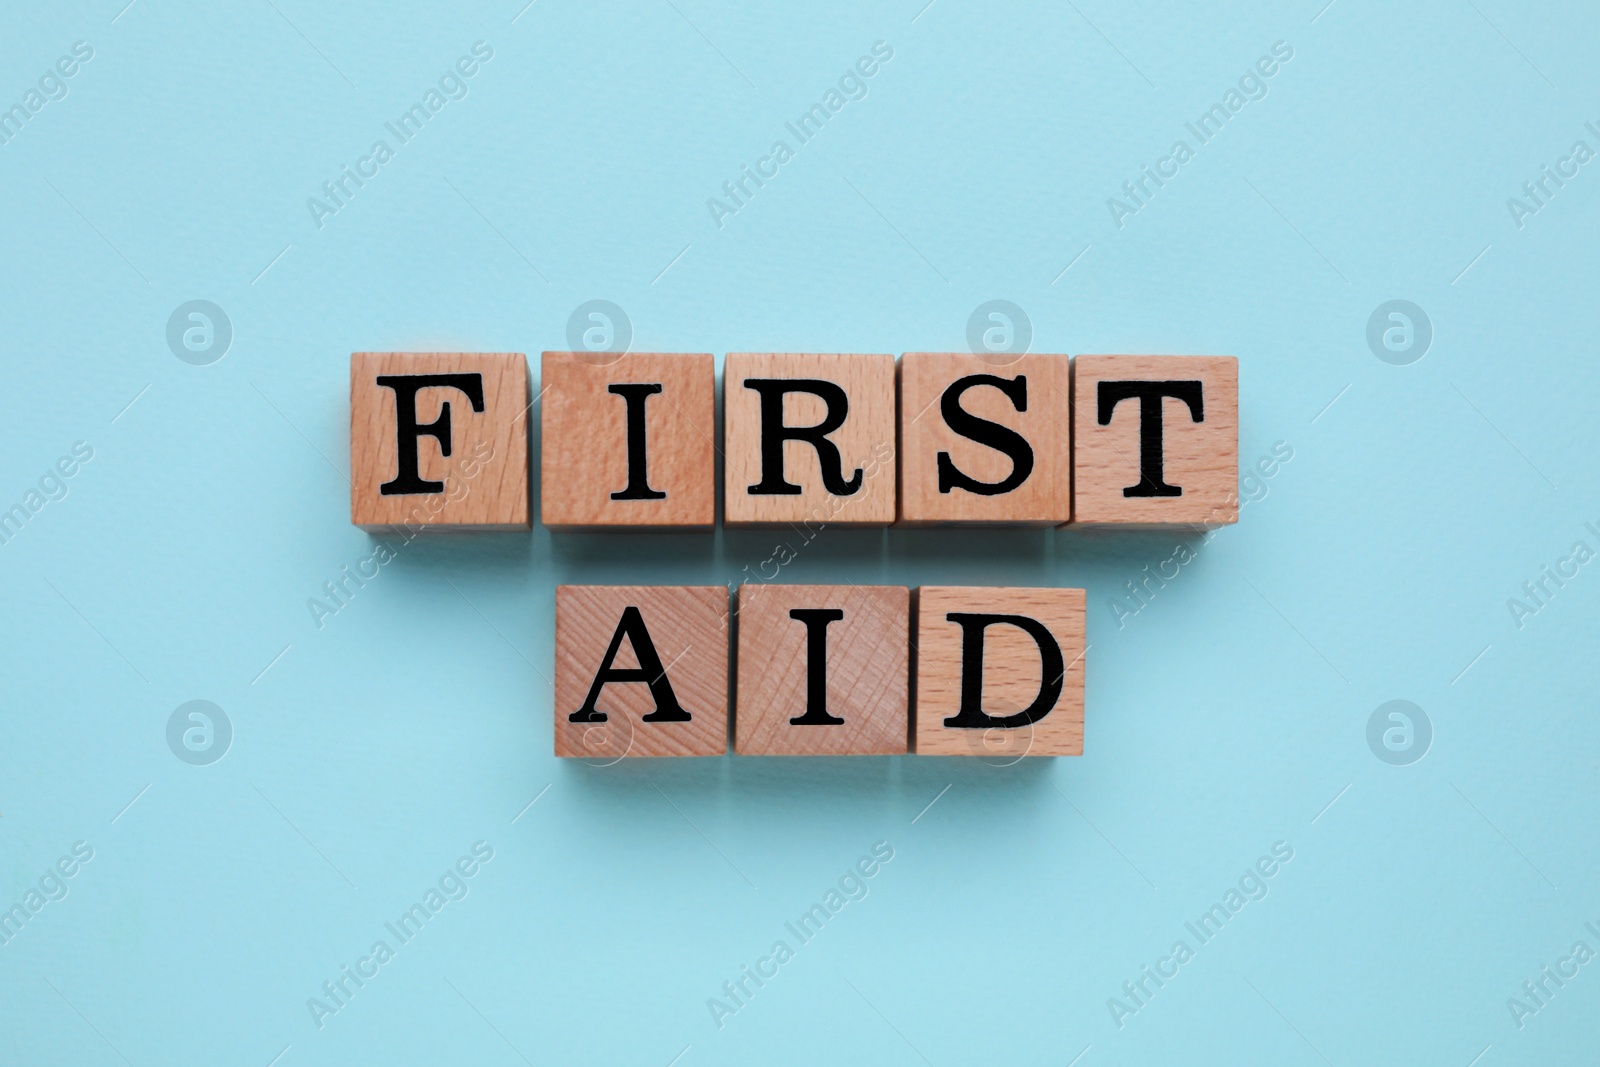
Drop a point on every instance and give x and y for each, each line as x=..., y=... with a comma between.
x=371, y=753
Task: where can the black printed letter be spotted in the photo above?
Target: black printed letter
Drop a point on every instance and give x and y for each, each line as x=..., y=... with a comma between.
x=1000, y=438
x=1052, y=670
x=634, y=395
x=816, y=620
x=407, y=480
x=1150, y=394
x=649, y=671
x=774, y=433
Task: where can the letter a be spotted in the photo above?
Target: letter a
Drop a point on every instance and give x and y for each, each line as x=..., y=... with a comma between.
x=650, y=671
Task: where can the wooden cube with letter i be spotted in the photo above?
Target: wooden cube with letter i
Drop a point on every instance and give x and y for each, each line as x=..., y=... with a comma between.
x=999, y=672
x=627, y=440
x=641, y=670
x=822, y=670
x=1155, y=441
x=439, y=440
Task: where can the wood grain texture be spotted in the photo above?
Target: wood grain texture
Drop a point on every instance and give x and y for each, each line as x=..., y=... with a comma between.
x=1044, y=498
x=584, y=440
x=1012, y=672
x=486, y=474
x=688, y=629
x=867, y=677
x=1200, y=458
x=866, y=441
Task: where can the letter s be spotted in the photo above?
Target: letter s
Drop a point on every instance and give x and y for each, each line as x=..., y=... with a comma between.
x=991, y=434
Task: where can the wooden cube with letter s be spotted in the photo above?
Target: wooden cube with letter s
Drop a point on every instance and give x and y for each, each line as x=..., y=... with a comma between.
x=985, y=439
x=439, y=440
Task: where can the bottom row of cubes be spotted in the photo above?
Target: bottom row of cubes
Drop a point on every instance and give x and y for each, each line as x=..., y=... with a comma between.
x=821, y=670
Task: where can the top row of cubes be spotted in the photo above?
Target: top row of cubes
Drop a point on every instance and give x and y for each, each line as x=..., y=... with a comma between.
x=933, y=438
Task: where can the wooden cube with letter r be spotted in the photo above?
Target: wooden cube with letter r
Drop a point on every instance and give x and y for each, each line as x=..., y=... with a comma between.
x=439, y=440
x=641, y=670
x=999, y=671
x=810, y=439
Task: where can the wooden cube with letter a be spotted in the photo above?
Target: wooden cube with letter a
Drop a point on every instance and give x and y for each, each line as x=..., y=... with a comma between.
x=627, y=440
x=810, y=439
x=1155, y=441
x=439, y=440
x=999, y=671
x=641, y=670
x=822, y=670
x=985, y=441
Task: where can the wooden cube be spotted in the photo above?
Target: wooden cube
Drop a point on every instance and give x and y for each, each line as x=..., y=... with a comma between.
x=985, y=441
x=1155, y=441
x=810, y=439
x=999, y=672
x=822, y=670
x=641, y=670
x=627, y=441
x=439, y=440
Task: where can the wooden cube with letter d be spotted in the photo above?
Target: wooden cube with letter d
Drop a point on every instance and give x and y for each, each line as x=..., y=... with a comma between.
x=999, y=672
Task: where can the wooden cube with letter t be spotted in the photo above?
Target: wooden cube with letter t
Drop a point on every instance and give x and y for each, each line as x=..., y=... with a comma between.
x=810, y=439
x=985, y=439
x=999, y=671
x=641, y=670
x=1155, y=441
x=627, y=440
x=822, y=670
x=439, y=440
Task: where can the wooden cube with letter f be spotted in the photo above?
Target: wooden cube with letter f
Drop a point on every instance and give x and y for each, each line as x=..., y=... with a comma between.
x=439, y=440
